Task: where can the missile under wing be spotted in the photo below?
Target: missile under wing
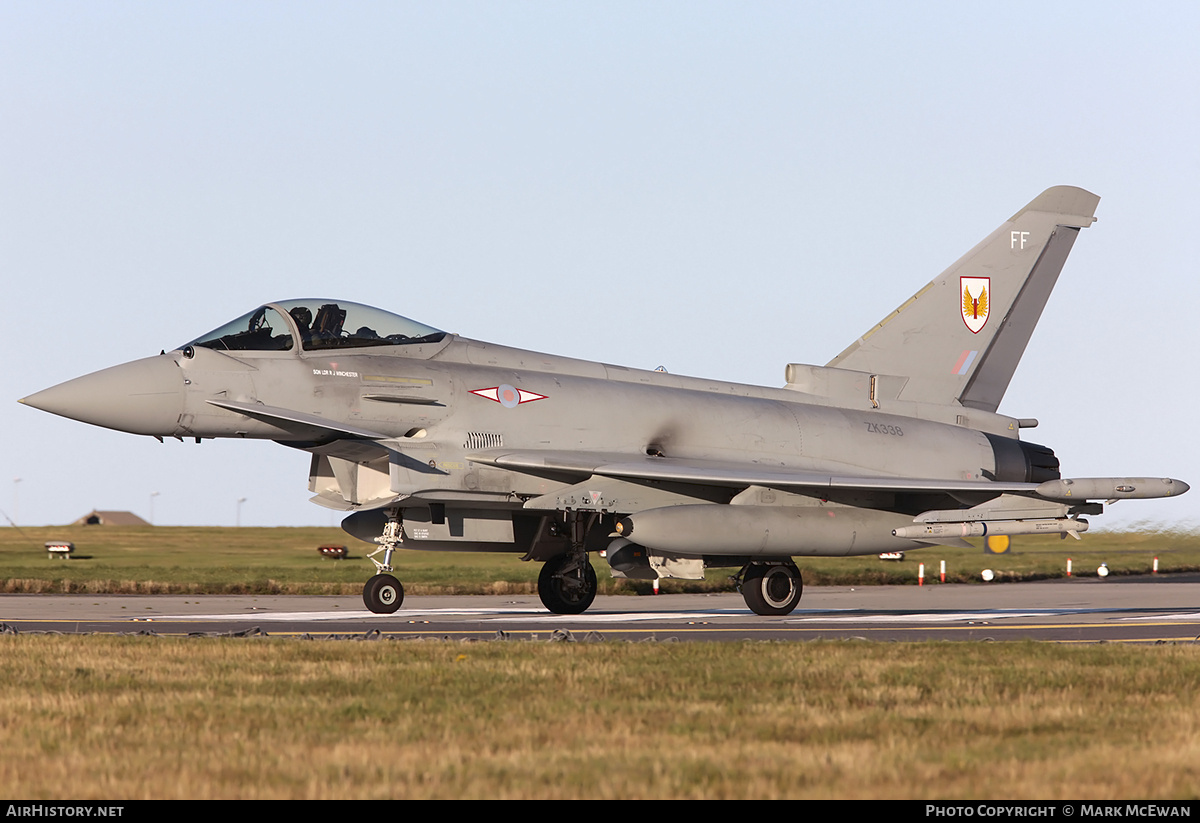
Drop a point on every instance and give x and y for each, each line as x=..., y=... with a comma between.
x=430, y=440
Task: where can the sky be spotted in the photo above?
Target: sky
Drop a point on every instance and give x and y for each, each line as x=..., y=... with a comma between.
x=717, y=188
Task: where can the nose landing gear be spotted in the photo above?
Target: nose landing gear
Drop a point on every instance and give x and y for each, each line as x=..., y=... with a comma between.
x=383, y=593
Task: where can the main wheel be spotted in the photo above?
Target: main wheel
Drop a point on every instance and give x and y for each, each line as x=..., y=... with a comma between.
x=566, y=586
x=772, y=589
x=383, y=594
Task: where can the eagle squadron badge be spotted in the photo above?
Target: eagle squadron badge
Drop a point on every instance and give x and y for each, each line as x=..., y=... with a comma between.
x=975, y=300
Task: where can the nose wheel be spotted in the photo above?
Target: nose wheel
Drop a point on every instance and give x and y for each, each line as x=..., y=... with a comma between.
x=383, y=594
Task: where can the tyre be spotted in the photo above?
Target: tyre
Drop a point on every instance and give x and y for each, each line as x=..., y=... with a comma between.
x=567, y=592
x=383, y=594
x=772, y=590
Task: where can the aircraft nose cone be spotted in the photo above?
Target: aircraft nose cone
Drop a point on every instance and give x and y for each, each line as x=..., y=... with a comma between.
x=142, y=397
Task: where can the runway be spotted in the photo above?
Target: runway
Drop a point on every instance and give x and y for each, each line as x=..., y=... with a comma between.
x=1128, y=610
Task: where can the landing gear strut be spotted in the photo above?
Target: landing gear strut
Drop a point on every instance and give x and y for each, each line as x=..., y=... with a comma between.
x=383, y=593
x=567, y=584
x=771, y=588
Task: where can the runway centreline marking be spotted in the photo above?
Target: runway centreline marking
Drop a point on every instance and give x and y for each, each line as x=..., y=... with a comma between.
x=1188, y=617
x=948, y=617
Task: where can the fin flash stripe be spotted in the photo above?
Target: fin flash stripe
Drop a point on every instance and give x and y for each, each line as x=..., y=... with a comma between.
x=964, y=362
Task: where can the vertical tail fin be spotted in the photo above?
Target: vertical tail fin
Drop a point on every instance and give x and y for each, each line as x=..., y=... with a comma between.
x=960, y=338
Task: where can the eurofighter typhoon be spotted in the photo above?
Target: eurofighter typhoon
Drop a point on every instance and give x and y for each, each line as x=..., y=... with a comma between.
x=429, y=440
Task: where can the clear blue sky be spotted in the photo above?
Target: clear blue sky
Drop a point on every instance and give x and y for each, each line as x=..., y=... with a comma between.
x=719, y=188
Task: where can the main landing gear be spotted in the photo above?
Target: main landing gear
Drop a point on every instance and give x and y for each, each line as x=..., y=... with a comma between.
x=771, y=588
x=567, y=584
x=383, y=593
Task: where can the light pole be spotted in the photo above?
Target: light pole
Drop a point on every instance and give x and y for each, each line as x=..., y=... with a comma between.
x=241, y=500
x=16, y=501
x=152, y=496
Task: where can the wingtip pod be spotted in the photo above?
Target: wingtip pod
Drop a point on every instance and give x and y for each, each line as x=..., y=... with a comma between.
x=1075, y=206
x=1111, y=488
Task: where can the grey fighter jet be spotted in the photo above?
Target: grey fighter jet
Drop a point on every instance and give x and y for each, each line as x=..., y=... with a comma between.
x=429, y=440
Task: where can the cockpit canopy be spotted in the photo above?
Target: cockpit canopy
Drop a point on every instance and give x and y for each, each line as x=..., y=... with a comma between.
x=319, y=324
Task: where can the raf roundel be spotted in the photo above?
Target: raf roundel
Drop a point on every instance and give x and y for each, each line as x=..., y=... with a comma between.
x=508, y=396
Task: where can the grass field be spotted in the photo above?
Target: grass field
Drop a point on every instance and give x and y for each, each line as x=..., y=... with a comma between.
x=152, y=559
x=135, y=717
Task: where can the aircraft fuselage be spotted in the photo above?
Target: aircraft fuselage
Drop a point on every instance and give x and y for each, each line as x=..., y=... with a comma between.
x=430, y=440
